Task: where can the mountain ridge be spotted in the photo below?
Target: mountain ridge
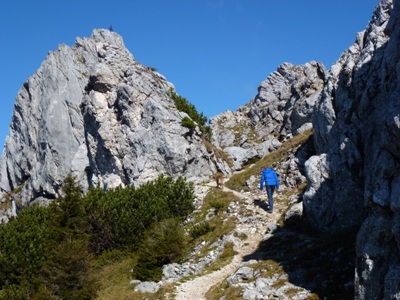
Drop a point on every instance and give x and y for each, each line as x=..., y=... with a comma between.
x=93, y=111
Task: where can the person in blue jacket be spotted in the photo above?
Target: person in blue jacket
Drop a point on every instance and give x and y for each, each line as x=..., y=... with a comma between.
x=271, y=181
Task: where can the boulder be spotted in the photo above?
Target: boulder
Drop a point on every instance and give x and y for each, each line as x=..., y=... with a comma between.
x=244, y=273
x=147, y=287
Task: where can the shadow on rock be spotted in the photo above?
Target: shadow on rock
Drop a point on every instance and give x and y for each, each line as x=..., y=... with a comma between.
x=319, y=262
x=262, y=204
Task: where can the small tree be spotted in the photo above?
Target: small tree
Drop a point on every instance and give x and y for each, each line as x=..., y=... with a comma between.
x=24, y=247
x=67, y=271
x=68, y=212
x=164, y=243
x=67, y=268
x=44, y=251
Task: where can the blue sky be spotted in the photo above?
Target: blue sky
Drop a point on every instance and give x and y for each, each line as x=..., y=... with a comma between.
x=215, y=52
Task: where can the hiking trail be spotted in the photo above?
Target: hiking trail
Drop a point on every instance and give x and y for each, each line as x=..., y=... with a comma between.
x=197, y=288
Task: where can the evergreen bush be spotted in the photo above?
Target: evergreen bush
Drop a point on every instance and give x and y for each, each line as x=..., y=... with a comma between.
x=182, y=104
x=47, y=252
x=218, y=206
x=164, y=243
x=119, y=217
x=24, y=247
x=200, y=229
x=188, y=123
x=44, y=251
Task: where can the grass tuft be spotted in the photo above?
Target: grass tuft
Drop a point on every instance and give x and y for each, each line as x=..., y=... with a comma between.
x=238, y=181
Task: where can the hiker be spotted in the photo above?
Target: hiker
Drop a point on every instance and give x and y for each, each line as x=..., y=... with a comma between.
x=271, y=181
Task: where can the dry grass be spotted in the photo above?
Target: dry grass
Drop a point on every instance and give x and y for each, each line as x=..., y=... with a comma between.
x=114, y=284
x=5, y=205
x=224, y=290
x=218, y=153
x=238, y=181
x=295, y=250
x=114, y=281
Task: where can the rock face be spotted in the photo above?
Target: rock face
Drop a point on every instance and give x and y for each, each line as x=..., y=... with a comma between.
x=355, y=180
x=282, y=108
x=93, y=111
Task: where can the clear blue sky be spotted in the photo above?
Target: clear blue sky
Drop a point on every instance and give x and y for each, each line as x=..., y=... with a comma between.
x=215, y=52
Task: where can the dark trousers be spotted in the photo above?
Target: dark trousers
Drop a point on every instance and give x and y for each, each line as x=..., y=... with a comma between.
x=270, y=192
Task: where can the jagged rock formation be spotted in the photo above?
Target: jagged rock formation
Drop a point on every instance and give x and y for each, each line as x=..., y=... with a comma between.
x=93, y=111
x=282, y=108
x=355, y=178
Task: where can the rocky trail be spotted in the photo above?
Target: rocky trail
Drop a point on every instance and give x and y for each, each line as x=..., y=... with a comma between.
x=254, y=230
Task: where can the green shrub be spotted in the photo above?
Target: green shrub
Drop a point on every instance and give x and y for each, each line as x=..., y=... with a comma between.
x=164, y=243
x=111, y=256
x=182, y=104
x=24, y=246
x=200, y=229
x=112, y=218
x=119, y=217
x=217, y=205
x=188, y=123
x=44, y=252
x=47, y=252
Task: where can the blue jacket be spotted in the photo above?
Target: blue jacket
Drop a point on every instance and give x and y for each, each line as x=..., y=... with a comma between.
x=269, y=177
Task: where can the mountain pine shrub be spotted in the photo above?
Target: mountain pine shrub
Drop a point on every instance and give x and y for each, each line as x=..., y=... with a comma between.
x=44, y=251
x=165, y=242
x=120, y=216
x=188, y=123
x=182, y=104
x=24, y=245
x=49, y=252
x=200, y=229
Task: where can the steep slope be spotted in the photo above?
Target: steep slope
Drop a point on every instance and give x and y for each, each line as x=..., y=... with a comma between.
x=235, y=272
x=245, y=227
x=354, y=179
x=93, y=111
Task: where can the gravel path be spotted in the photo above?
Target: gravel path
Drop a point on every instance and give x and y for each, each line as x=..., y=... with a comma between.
x=197, y=287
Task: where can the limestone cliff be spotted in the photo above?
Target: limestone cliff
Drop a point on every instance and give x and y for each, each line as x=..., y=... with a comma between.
x=93, y=111
x=282, y=108
x=355, y=180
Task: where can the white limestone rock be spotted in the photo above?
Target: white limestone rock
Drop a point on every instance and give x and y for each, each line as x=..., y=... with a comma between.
x=282, y=109
x=356, y=135
x=92, y=111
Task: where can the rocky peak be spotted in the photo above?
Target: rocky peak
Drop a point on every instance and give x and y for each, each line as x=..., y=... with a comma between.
x=282, y=109
x=285, y=100
x=93, y=111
